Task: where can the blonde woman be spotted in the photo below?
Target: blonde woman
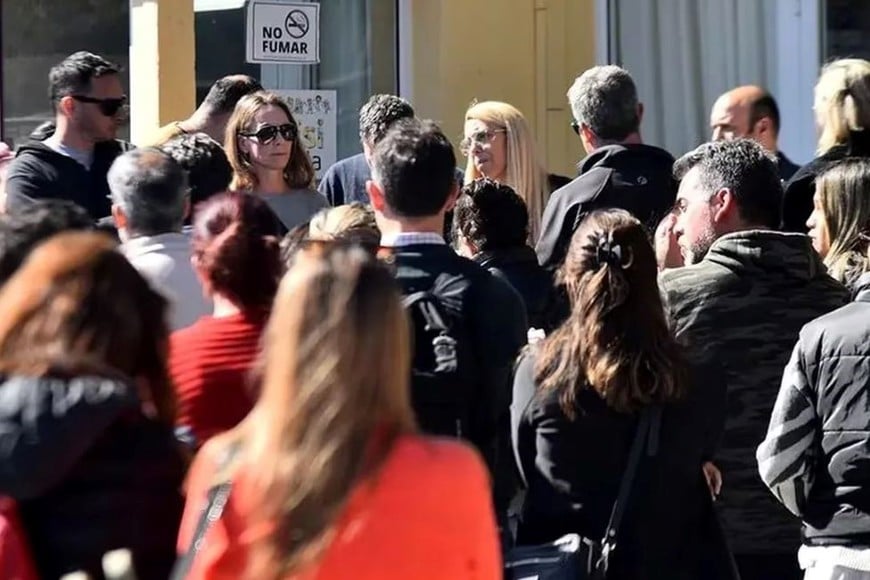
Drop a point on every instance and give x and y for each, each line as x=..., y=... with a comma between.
x=842, y=109
x=840, y=223
x=500, y=146
x=269, y=160
x=354, y=222
x=329, y=478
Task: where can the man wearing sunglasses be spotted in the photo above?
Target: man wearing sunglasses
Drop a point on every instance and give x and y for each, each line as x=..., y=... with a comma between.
x=72, y=163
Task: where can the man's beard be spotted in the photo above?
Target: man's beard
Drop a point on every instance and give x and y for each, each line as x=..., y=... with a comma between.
x=700, y=247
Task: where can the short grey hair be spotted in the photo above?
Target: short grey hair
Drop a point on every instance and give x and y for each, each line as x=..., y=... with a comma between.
x=151, y=189
x=604, y=99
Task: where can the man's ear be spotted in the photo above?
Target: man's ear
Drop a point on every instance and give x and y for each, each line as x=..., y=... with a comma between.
x=724, y=206
x=639, y=114
x=187, y=207
x=119, y=217
x=376, y=196
x=588, y=138
x=66, y=105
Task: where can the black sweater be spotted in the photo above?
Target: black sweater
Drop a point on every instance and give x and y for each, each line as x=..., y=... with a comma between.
x=91, y=474
x=40, y=172
x=573, y=468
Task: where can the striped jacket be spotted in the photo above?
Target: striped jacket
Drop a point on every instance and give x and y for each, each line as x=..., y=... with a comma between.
x=742, y=307
x=816, y=456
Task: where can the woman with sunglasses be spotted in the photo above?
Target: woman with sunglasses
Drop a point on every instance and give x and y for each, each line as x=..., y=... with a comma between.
x=269, y=160
x=329, y=478
x=500, y=145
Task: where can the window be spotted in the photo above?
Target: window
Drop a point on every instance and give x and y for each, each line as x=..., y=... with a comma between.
x=357, y=51
x=38, y=35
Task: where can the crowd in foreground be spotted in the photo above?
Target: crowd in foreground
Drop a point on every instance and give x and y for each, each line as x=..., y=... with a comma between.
x=211, y=369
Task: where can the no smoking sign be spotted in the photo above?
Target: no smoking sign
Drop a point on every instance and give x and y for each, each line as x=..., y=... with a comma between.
x=283, y=32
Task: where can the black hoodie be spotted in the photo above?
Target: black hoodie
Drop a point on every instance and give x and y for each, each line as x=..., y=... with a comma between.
x=636, y=178
x=40, y=172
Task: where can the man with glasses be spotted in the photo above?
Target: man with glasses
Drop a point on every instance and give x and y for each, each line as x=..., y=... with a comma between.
x=619, y=171
x=89, y=105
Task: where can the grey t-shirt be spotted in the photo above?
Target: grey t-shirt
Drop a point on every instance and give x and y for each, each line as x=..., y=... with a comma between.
x=296, y=207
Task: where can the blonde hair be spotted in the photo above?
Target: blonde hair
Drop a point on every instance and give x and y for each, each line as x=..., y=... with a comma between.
x=338, y=222
x=299, y=173
x=331, y=406
x=842, y=101
x=844, y=193
x=524, y=171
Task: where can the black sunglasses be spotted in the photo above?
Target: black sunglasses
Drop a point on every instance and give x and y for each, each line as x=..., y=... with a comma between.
x=108, y=107
x=269, y=133
x=575, y=126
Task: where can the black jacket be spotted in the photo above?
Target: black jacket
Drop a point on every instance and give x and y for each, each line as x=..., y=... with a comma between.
x=520, y=268
x=816, y=456
x=39, y=172
x=91, y=474
x=797, y=203
x=573, y=469
x=636, y=178
x=786, y=168
x=495, y=325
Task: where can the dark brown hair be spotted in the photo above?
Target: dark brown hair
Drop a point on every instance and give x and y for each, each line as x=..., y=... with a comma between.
x=235, y=242
x=616, y=340
x=76, y=306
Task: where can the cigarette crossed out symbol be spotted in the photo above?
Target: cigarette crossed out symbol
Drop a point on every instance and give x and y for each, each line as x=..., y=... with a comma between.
x=296, y=24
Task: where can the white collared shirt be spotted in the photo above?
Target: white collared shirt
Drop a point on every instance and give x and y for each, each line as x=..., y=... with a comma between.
x=411, y=239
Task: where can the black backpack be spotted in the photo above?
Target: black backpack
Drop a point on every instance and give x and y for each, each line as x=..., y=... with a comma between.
x=442, y=385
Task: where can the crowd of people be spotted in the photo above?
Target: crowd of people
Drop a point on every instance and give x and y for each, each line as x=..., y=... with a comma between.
x=213, y=366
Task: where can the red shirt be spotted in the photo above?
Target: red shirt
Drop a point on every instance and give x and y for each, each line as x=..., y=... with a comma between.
x=210, y=363
x=427, y=515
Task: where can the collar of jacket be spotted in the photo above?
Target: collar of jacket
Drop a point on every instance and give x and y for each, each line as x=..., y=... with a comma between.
x=767, y=252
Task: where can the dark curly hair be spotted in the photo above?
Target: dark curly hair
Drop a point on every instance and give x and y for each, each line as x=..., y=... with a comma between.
x=378, y=115
x=491, y=216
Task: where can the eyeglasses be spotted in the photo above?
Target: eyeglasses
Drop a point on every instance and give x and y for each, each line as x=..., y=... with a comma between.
x=269, y=133
x=483, y=137
x=575, y=126
x=108, y=107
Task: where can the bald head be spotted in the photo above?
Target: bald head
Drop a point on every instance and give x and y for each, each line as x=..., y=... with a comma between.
x=748, y=111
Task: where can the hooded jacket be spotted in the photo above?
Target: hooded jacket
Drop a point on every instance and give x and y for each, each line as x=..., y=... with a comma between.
x=742, y=307
x=90, y=473
x=40, y=172
x=815, y=456
x=636, y=178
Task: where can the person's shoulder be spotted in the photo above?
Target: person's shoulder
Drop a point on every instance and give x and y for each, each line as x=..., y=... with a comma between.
x=701, y=276
x=848, y=325
x=431, y=458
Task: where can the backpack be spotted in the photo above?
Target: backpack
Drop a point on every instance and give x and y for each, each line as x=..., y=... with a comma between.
x=442, y=384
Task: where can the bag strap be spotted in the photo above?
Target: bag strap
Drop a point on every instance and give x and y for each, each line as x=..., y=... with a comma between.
x=647, y=431
x=216, y=502
x=433, y=318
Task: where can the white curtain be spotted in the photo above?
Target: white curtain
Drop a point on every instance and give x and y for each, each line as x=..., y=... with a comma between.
x=684, y=53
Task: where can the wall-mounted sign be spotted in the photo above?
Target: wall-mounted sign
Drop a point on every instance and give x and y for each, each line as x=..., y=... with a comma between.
x=282, y=32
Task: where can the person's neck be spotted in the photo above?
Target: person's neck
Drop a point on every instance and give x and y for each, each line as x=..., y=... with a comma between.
x=203, y=122
x=271, y=181
x=426, y=225
x=224, y=307
x=66, y=137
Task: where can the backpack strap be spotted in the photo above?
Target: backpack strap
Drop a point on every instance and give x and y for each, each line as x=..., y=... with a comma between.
x=647, y=432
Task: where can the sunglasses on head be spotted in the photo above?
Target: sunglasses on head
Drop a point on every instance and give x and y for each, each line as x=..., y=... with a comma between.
x=108, y=107
x=269, y=133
